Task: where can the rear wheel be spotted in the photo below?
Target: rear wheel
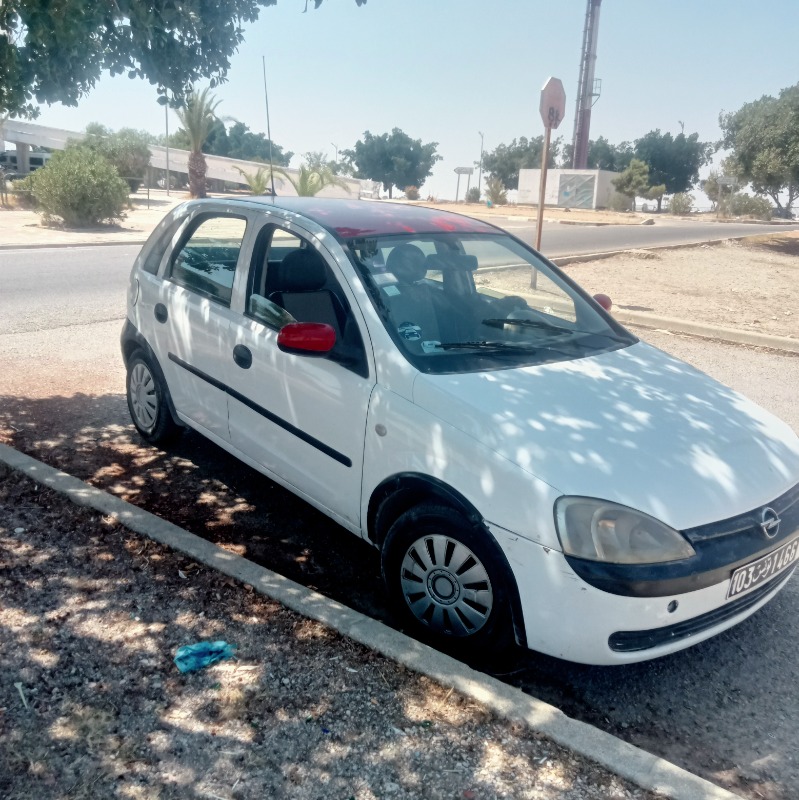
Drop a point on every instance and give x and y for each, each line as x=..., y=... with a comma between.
x=147, y=401
x=446, y=580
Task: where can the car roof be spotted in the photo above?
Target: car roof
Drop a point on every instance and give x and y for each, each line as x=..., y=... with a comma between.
x=349, y=219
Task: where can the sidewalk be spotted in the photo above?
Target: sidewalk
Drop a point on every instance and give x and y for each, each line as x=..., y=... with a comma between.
x=22, y=228
x=91, y=704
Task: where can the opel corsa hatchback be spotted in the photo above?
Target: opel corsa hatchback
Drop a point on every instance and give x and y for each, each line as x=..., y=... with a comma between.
x=525, y=465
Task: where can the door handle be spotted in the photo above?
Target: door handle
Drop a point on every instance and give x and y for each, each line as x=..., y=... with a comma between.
x=160, y=312
x=242, y=356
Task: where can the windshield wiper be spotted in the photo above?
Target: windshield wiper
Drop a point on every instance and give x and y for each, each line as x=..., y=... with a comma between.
x=483, y=345
x=534, y=323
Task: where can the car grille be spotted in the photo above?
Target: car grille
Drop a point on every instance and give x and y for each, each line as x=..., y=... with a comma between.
x=635, y=641
x=786, y=507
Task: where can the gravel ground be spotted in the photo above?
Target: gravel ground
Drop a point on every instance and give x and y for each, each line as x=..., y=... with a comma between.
x=91, y=705
x=749, y=284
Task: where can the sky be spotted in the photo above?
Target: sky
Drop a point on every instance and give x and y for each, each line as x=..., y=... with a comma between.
x=444, y=70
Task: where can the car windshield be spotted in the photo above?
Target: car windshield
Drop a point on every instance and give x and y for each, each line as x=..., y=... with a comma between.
x=456, y=302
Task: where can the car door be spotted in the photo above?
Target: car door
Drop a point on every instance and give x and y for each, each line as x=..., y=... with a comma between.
x=300, y=418
x=193, y=316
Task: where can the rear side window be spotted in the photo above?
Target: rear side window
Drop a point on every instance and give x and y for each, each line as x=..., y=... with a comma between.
x=156, y=254
x=206, y=261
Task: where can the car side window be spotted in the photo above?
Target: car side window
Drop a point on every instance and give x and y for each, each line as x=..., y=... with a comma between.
x=153, y=259
x=206, y=260
x=290, y=281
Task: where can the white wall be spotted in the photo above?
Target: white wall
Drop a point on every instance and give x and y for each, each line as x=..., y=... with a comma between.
x=558, y=180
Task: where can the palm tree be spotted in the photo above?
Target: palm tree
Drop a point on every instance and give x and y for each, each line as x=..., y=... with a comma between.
x=197, y=117
x=257, y=182
x=315, y=174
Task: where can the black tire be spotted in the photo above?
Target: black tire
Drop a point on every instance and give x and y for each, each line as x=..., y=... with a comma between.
x=147, y=401
x=447, y=582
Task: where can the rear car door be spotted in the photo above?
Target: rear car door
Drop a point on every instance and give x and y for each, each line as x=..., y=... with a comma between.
x=300, y=418
x=193, y=316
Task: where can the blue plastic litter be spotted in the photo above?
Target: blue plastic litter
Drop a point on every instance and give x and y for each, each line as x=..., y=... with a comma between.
x=192, y=657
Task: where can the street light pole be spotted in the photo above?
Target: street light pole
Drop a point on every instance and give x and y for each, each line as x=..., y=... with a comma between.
x=166, y=119
x=336, y=147
x=480, y=174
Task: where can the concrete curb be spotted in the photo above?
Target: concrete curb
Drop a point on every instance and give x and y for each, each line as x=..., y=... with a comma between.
x=60, y=245
x=562, y=261
x=630, y=762
x=732, y=335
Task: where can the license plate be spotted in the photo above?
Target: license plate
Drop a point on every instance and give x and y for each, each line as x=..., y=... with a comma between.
x=751, y=575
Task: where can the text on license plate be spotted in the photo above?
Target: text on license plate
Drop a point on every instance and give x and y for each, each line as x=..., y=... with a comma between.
x=759, y=571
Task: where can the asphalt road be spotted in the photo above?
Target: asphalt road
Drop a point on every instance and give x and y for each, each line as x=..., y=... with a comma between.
x=74, y=285
x=726, y=709
x=563, y=240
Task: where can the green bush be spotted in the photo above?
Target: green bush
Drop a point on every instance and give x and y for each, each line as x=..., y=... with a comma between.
x=745, y=205
x=681, y=203
x=22, y=192
x=473, y=195
x=412, y=192
x=81, y=187
x=619, y=202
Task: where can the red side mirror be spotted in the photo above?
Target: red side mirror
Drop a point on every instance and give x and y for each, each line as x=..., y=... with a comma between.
x=310, y=338
x=604, y=301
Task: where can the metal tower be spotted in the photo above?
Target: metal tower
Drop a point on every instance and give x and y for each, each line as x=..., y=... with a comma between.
x=587, y=88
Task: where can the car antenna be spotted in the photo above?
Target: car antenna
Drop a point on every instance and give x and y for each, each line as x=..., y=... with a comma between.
x=269, y=132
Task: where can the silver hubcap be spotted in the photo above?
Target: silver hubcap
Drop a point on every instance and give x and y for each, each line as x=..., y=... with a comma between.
x=446, y=586
x=143, y=398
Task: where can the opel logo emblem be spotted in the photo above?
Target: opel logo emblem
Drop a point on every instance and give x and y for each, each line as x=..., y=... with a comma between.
x=769, y=523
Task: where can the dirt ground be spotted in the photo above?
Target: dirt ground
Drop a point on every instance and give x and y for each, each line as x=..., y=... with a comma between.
x=751, y=284
x=92, y=706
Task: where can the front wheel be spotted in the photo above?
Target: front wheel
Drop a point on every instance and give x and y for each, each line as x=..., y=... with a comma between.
x=446, y=580
x=147, y=401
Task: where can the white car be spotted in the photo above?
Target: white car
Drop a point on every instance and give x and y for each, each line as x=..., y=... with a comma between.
x=525, y=465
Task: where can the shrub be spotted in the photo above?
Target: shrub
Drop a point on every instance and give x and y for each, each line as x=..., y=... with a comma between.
x=22, y=192
x=619, y=202
x=80, y=187
x=496, y=194
x=412, y=192
x=681, y=203
x=473, y=195
x=745, y=205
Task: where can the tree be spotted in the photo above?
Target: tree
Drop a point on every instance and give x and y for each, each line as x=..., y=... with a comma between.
x=197, y=117
x=673, y=160
x=764, y=139
x=127, y=149
x=393, y=159
x=507, y=159
x=314, y=175
x=249, y=146
x=47, y=57
x=602, y=155
x=634, y=181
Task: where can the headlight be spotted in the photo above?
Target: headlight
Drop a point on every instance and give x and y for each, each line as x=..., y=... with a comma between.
x=602, y=531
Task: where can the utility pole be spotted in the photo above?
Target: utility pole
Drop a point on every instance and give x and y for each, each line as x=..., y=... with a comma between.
x=480, y=174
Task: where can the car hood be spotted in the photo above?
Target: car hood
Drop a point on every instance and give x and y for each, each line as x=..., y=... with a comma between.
x=635, y=426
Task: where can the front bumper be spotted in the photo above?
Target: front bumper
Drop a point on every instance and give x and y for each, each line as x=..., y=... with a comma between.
x=568, y=618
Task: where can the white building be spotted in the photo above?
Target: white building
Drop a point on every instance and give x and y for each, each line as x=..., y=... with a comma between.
x=568, y=188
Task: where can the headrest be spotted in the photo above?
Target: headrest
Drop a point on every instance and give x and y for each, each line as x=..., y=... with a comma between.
x=407, y=263
x=452, y=261
x=300, y=271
